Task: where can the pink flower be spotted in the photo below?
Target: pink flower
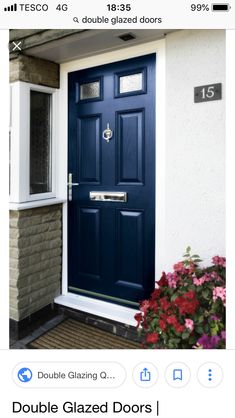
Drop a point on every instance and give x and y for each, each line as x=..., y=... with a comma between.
x=219, y=261
x=215, y=276
x=223, y=335
x=172, y=279
x=179, y=268
x=205, y=278
x=197, y=282
x=219, y=292
x=189, y=324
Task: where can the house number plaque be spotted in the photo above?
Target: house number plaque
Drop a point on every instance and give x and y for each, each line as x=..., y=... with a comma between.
x=208, y=93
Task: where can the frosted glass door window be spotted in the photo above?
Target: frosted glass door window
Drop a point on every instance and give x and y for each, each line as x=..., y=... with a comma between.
x=129, y=83
x=40, y=142
x=90, y=90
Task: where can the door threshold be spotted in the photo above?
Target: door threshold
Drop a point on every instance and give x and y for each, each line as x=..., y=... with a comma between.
x=98, y=307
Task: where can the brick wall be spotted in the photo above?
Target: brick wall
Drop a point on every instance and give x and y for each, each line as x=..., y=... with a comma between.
x=34, y=70
x=35, y=259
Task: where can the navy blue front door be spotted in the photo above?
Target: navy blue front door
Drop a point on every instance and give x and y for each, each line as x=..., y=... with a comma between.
x=111, y=213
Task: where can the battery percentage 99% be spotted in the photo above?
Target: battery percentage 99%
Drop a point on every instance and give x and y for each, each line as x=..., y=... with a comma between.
x=200, y=8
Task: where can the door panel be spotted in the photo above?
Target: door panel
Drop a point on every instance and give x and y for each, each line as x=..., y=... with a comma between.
x=130, y=138
x=88, y=135
x=111, y=244
x=130, y=253
x=89, y=237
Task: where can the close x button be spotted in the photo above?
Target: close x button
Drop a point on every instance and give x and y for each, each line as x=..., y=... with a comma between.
x=15, y=46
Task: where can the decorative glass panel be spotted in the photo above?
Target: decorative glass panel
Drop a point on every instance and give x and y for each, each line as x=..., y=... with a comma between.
x=129, y=83
x=40, y=142
x=90, y=90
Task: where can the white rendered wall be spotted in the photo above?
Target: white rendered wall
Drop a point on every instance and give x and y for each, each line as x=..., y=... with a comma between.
x=195, y=147
x=190, y=144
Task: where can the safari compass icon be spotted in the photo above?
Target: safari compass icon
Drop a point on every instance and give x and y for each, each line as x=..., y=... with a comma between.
x=25, y=375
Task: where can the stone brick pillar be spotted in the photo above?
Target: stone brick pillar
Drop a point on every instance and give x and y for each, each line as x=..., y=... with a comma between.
x=35, y=260
x=35, y=234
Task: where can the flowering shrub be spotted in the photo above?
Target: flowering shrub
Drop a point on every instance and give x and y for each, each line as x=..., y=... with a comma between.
x=187, y=309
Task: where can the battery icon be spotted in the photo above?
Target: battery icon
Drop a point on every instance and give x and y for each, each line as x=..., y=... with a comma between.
x=220, y=7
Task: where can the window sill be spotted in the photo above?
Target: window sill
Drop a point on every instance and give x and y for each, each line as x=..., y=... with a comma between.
x=35, y=204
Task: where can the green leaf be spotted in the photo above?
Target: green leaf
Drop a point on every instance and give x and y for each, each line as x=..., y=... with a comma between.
x=214, y=330
x=185, y=335
x=154, y=323
x=172, y=343
x=206, y=294
x=191, y=287
x=199, y=330
x=192, y=340
x=200, y=319
x=207, y=328
x=188, y=249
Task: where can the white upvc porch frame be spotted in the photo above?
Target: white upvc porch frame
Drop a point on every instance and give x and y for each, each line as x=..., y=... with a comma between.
x=20, y=197
x=83, y=303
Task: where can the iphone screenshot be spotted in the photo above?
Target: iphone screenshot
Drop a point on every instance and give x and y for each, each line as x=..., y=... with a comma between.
x=117, y=290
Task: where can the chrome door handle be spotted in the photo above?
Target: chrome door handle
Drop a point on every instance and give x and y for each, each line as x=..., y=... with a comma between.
x=70, y=186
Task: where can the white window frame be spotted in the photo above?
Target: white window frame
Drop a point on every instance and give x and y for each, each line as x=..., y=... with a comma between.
x=20, y=143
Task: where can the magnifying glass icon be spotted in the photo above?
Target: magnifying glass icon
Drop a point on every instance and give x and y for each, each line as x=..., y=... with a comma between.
x=75, y=19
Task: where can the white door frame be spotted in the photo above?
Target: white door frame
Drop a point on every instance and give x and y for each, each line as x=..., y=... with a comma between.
x=84, y=303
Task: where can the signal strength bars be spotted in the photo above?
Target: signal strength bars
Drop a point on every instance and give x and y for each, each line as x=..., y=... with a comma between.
x=12, y=8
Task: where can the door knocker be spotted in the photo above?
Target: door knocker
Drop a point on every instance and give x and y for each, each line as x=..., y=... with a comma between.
x=107, y=133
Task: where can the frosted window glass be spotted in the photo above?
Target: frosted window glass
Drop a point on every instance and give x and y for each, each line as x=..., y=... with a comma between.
x=129, y=83
x=40, y=142
x=90, y=90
